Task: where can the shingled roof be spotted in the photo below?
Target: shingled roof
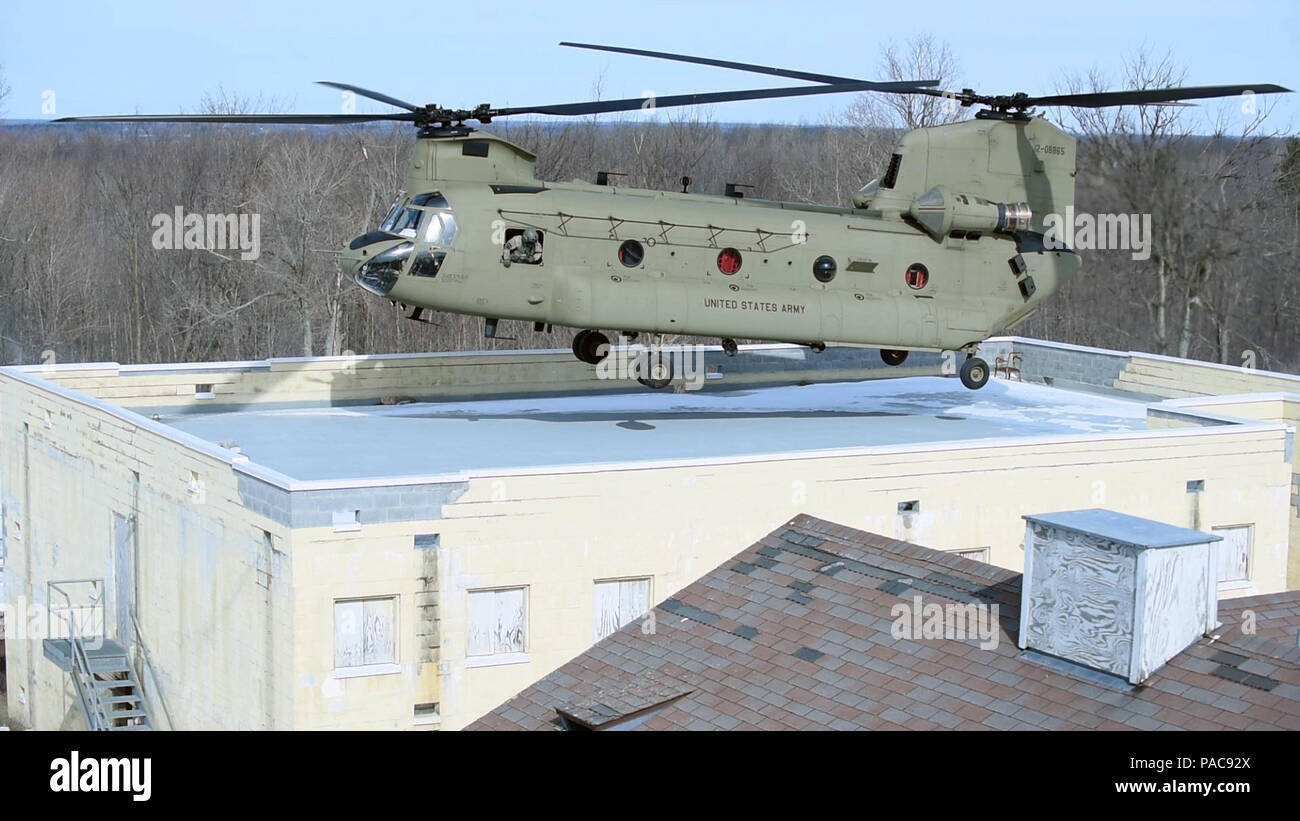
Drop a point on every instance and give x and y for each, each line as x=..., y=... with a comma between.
x=795, y=633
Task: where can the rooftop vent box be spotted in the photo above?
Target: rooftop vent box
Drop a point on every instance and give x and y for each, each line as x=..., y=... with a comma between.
x=1114, y=592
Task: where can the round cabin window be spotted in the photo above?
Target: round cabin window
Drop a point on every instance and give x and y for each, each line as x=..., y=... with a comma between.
x=729, y=261
x=917, y=276
x=631, y=254
x=824, y=268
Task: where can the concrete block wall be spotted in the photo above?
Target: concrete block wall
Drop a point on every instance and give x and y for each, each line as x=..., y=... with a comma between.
x=247, y=640
x=557, y=534
x=214, y=609
x=1055, y=364
x=1223, y=390
x=380, y=560
x=1138, y=373
x=1265, y=407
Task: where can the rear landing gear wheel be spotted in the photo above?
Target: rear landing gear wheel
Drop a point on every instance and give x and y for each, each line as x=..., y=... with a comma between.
x=587, y=346
x=653, y=369
x=974, y=373
x=892, y=358
x=729, y=346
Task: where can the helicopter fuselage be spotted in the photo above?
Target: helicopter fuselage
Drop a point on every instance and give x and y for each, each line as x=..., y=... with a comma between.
x=603, y=256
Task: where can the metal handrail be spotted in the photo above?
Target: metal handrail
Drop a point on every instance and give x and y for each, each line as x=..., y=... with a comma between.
x=84, y=680
x=58, y=587
x=153, y=671
x=82, y=676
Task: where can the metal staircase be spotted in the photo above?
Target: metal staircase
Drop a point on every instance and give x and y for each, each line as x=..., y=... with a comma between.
x=110, y=694
x=108, y=690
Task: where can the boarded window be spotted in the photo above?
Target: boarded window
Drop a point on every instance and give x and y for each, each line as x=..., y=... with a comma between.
x=979, y=554
x=1234, y=552
x=498, y=621
x=619, y=602
x=365, y=632
x=346, y=521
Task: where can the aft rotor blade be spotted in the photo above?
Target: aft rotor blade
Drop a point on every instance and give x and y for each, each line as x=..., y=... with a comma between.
x=750, y=67
x=1102, y=99
x=633, y=103
x=374, y=95
x=287, y=119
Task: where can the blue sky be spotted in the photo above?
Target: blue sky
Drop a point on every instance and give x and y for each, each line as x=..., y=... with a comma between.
x=158, y=57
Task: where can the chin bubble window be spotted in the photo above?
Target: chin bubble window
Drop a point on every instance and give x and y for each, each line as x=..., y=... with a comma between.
x=380, y=274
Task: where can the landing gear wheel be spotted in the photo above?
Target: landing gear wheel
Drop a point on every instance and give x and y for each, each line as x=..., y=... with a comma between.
x=729, y=346
x=974, y=373
x=892, y=358
x=653, y=369
x=587, y=347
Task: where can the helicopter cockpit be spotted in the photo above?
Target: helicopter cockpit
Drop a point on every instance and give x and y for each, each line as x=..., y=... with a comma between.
x=431, y=210
x=424, y=218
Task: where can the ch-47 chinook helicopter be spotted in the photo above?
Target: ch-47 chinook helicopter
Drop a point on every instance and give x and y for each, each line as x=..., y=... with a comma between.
x=942, y=252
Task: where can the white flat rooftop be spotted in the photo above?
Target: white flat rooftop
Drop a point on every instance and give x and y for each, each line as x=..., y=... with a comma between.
x=424, y=439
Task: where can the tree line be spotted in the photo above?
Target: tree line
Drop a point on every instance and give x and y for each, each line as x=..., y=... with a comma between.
x=81, y=280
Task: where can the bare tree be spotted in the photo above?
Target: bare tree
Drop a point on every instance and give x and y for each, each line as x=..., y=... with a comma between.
x=1148, y=160
x=921, y=58
x=79, y=274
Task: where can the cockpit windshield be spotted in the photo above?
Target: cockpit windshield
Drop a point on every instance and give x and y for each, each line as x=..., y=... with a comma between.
x=429, y=209
x=402, y=220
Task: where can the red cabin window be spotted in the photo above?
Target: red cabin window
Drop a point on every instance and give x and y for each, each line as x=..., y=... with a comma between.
x=917, y=276
x=729, y=261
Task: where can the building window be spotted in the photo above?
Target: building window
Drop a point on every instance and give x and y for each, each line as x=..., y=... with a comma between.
x=979, y=554
x=498, y=622
x=346, y=521
x=1234, y=552
x=365, y=636
x=618, y=602
x=427, y=713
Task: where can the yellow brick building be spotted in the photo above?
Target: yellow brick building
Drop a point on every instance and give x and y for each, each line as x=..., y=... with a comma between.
x=288, y=545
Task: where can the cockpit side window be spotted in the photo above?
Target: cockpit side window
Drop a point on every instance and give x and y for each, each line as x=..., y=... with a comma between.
x=391, y=217
x=441, y=229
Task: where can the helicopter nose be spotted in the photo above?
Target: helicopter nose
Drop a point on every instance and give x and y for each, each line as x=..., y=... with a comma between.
x=375, y=260
x=359, y=250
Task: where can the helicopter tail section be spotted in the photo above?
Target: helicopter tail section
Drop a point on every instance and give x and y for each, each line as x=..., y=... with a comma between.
x=980, y=175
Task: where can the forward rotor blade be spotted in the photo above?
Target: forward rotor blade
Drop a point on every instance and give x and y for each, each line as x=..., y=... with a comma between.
x=1153, y=95
x=750, y=67
x=633, y=103
x=374, y=95
x=288, y=119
